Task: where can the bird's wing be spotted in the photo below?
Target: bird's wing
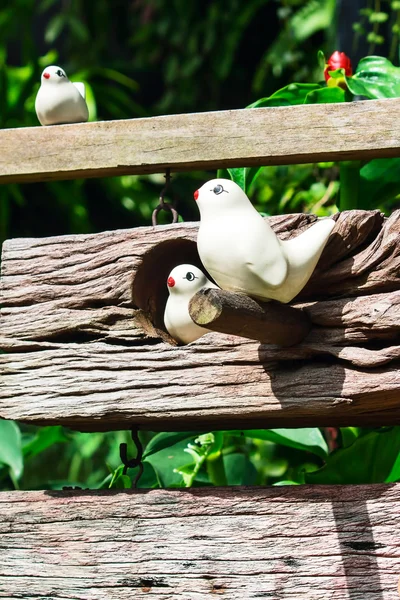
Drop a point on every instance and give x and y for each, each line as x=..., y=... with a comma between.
x=270, y=266
x=265, y=256
x=243, y=254
x=81, y=88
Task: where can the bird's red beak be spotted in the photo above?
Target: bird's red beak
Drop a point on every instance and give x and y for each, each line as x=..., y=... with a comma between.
x=46, y=75
x=196, y=194
x=170, y=282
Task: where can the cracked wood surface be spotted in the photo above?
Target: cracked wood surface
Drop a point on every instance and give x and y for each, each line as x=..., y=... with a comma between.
x=81, y=333
x=211, y=140
x=300, y=542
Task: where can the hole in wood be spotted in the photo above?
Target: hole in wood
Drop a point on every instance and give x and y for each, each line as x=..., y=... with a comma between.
x=150, y=291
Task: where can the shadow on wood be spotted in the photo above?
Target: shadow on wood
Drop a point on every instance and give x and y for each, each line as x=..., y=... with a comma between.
x=303, y=542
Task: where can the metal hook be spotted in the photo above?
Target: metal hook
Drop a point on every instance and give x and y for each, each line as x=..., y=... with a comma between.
x=165, y=205
x=133, y=462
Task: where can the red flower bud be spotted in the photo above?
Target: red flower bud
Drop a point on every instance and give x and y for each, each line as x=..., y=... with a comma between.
x=338, y=60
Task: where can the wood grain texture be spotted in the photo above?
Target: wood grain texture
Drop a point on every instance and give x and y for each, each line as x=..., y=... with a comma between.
x=237, y=314
x=81, y=332
x=303, y=542
x=236, y=138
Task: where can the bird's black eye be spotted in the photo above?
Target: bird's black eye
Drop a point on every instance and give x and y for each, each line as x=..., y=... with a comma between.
x=60, y=73
x=190, y=276
x=218, y=189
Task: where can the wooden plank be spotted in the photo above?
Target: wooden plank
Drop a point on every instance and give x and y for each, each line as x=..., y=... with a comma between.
x=303, y=542
x=235, y=138
x=84, y=345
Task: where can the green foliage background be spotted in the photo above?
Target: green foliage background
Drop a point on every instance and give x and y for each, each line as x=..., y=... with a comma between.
x=152, y=57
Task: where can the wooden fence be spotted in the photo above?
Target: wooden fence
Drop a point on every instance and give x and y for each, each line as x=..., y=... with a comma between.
x=84, y=346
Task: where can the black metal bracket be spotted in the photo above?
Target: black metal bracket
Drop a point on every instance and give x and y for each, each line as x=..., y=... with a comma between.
x=132, y=463
x=171, y=207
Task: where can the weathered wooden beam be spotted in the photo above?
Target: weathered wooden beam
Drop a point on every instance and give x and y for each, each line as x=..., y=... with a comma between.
x=235, y=138
x=237, y=314
x=84, y=344
x=302, y=542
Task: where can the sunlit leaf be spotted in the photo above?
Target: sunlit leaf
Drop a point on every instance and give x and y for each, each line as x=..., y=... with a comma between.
x=244, y=177
x=349, y=435
x=292, y=94
x=285, y=482
x=308, y=439
x=166, y=462
x=375, y=77
x=326, y=95
x=122, y=482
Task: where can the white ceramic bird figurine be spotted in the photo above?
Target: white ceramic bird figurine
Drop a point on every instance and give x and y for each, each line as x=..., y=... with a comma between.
x=242, y=253
x=59, y=100
x=183, y=283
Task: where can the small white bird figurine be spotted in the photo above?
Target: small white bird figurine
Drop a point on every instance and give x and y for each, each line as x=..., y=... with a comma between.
x=59, y=100
x=242, y=253
x=183, y=283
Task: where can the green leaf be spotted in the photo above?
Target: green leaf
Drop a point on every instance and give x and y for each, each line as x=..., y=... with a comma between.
x=78, y=29
x=10, y=448
x=207, y=447
x=239, y=469
x=44, y=438
x=379, y=181
x=369, y=459
x=244, y=177
x=214, y=460
x=54, y=28
x=311, y=17
x=378, y=17
x=394, y=474
x=321, y=59
x=326, y=95
x=222, y=174
x=292, y=94
x=166, y=462
x=121, y=482
x=308, y=439
x=149, y=478
x=166, y=440
x=217, y=443
x=349, y=435
x=286, y=482
x=375, y=77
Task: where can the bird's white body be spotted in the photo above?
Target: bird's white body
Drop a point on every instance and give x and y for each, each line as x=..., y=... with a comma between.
x=242, y=253
x=59, y=100
x=184, y=282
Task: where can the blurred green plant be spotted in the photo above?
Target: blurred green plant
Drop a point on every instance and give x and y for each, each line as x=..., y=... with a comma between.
x=186, y=459
x=379, y=22
x=130, y=57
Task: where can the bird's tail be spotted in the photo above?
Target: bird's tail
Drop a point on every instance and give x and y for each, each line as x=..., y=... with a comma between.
x=304, y=251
